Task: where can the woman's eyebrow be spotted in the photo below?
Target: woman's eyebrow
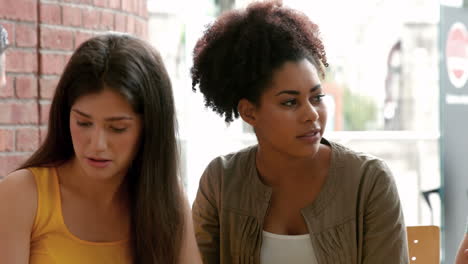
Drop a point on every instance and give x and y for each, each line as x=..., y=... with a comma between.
x=295, y=92
x=113, y=118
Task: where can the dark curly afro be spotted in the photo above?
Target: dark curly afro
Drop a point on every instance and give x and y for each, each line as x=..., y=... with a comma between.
x=237, y=55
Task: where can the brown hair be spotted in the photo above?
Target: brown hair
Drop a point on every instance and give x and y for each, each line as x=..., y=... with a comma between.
x=134, y=69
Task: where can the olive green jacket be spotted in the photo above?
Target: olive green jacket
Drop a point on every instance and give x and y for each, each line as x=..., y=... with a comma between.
x=355, y=219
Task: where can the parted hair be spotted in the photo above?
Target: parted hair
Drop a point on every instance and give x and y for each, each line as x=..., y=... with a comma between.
x=134, y=69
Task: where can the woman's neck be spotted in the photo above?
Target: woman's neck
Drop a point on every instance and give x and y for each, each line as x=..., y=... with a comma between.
x=105, y=192
x=276, y=168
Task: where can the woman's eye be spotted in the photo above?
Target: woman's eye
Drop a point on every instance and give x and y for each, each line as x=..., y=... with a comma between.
x=83, y=124
x=119, y=129
x=318, y=98
x=290, y=102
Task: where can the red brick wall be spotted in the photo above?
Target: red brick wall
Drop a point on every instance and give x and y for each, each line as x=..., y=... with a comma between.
x=42, y=36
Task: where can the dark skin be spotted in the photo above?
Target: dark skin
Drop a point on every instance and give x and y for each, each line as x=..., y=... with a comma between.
x=290, y=158
x=292, y=193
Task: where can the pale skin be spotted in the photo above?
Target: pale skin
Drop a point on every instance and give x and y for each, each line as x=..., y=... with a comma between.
x=462, y=255
x=287, y=154
x=105, y=133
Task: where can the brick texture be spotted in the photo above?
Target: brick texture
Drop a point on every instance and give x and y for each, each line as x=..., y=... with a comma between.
x=18, y=113
x=7, y=91
x=52, y=63
x=81, y=37
x=44, y=116
x=18, y=10
x=71, y=16
x=100, y=3
x=107, y=20
x=120, y=22
x=47, y=87
x=91, y=19
x=26, y=86
x=7, y=140
x=20, y=61
x=26, y=35
x=51, y=14
x=27, y=139
x=56, y=39
x=115, y=4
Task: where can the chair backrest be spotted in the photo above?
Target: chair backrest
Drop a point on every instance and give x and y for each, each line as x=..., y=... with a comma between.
x=424, y=244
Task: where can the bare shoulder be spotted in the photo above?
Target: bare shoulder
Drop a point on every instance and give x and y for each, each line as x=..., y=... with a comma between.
x=18, y=196
x=18, y=203
x=18, y=181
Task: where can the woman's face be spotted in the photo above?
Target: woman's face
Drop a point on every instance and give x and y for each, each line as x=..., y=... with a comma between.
x=291, y=116
x=105, y=132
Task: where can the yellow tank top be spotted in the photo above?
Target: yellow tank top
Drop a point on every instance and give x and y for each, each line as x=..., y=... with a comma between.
x=53, y=243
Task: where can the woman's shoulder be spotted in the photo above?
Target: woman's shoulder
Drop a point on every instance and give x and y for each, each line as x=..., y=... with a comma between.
x=18, y=198
x=345, y=156
x=230, y=169
x=242, y=158
x=359, y=166
x=20, y=181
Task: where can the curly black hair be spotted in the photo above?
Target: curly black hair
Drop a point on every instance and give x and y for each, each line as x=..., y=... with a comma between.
x=237, y=55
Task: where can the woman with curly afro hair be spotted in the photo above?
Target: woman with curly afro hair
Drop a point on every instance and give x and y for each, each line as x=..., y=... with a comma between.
x=294, y=197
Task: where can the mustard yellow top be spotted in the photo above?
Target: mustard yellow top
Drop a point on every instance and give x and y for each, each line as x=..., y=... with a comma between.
x=53, y=243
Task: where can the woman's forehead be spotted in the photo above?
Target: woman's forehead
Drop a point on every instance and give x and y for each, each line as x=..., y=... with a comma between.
x=106, y=102
x=294, y=75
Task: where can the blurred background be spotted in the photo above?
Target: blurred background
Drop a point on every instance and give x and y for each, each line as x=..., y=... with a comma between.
x=385, y=85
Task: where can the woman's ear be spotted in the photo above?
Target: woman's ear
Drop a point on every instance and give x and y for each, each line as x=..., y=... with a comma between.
x=246, y=110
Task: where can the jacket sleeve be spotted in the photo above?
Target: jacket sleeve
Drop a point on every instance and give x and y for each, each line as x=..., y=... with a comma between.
x=205, y=216
x=385, y=240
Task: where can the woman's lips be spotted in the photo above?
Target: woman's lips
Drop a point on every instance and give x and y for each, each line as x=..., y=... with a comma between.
x=98, y=163
x=311, y=137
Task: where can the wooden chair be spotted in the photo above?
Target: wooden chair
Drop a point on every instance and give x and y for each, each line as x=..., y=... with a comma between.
x=424, y=244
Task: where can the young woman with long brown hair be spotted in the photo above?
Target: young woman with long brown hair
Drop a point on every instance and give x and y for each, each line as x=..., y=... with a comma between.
x=104, y=186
